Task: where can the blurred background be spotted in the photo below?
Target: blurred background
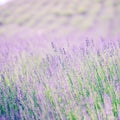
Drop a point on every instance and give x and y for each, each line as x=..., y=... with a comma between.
x=97, y=17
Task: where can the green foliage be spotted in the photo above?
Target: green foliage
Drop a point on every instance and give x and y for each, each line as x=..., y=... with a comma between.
x=49, y=95
x=72, y=116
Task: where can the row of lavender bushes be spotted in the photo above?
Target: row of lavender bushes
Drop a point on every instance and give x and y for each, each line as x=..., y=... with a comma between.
x=81, y=84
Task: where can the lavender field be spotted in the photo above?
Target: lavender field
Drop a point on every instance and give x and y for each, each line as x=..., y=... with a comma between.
x=66, y=71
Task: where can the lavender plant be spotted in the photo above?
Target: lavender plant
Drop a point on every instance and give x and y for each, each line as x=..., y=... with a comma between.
x=79, y=83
